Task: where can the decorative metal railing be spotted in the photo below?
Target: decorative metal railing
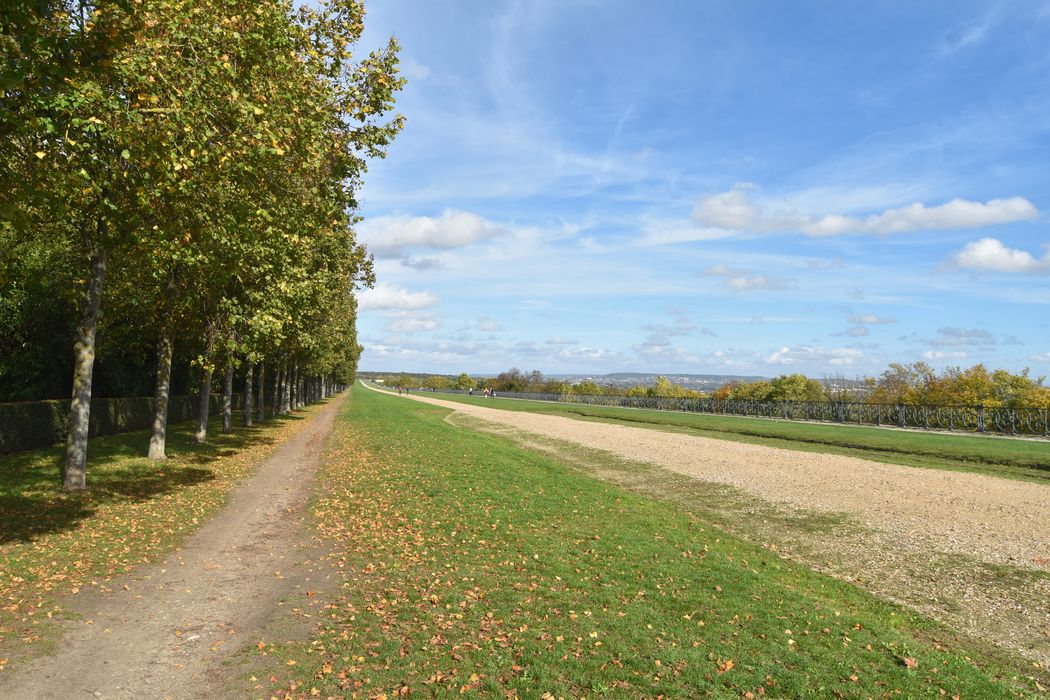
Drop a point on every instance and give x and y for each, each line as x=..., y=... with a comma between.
x=974, y=419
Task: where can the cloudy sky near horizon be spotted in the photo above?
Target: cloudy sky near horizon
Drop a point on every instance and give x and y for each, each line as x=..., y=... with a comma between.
x=717, y=187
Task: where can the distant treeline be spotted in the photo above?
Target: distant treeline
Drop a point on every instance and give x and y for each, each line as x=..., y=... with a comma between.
x=917, y=384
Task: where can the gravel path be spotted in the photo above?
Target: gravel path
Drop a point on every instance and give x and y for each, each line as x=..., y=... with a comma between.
x=995, y=520
x=166, y=630
x=969, y=550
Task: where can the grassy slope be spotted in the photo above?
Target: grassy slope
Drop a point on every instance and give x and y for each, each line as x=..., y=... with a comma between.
x=1022, y=459
x=54, y=543
x=470, y=565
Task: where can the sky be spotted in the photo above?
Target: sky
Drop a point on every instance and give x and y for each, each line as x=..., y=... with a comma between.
x=718, y=187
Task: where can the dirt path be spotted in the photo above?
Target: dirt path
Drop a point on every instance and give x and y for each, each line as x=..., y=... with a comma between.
x=968, y=549
x=166, y=630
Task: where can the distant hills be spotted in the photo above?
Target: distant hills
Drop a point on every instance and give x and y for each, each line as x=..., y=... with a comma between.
x=624, y=380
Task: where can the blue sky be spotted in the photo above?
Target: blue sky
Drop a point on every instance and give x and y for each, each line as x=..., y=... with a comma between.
x=716, y=187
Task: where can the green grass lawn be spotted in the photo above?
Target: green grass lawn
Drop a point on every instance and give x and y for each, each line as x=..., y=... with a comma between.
x=54, y=543
x=1014, y=458
x=469, y=565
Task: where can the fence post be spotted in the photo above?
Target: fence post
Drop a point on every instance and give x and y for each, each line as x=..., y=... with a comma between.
x=980, y=417
x=900, y=414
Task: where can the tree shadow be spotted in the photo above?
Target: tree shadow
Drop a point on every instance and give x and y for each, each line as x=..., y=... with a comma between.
x=32, y=502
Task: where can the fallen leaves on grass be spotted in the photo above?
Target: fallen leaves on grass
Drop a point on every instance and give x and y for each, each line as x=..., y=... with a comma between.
x=54, y=543
x=468, y=566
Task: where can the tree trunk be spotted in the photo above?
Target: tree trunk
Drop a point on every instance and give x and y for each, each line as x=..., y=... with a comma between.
x=249, y=372
x=275, y=407
x=286, y=390
x=74, y=472
x=203, y=407
x=227, y=399
x=293, y=385
x=165, y=348
x=261, y=408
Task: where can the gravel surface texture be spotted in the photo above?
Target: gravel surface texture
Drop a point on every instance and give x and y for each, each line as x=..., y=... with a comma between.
x=997, y=520
x=970, y=550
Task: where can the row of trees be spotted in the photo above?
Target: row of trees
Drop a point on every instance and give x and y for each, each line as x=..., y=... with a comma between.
x=916, y=383
x=182, y=174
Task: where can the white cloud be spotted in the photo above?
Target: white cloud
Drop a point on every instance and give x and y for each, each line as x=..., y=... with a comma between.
x=943, y=355
x=869, y=319
x=743, y=281
x=384, y=296
x=411, y=322
x=991, y=255
x=857, y=331
x=390, y=236
x=736, y=211
x=1043, y=357
x=413, y=69
x=558, y=340
x=760, y=282
x=836, y=357
x=667, y=232
x=952, y=336
x=724, y=271
x=488, y=325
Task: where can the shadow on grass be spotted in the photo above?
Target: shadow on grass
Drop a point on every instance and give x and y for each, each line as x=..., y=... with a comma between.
x=32, y=502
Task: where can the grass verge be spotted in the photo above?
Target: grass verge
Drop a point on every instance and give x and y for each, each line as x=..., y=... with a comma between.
x=471, y=565
x=55, y=544
x=1027, y=460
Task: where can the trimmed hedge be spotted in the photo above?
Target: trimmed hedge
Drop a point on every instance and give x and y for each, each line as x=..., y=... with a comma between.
x=31, y=424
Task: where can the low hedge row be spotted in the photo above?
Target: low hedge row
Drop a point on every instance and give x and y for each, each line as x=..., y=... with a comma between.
x=30, y=424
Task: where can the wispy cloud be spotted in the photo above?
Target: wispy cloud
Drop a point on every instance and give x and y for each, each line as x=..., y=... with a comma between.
x=869, y=319
x=744, y=281
x=488, y=325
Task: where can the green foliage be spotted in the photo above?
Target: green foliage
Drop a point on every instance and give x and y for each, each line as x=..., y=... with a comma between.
x=464, y=382
x=796, y=387
x=212, y=153
x=436, y=381
x=754, y=391
x=919, y=383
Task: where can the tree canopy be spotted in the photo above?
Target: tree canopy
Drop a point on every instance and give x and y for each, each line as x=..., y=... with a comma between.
x=189, y=171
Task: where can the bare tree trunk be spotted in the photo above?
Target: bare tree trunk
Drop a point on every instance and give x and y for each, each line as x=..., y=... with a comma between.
x=275, y=407
x=261, y=408
x=249, y=372
x=74, y=471
x=281, y=389
x=158, y=436
x=293, y=384
x=286, y=391
x=203, y=407
x=227, y=399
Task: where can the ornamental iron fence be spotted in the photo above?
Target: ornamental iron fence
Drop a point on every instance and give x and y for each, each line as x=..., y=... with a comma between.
x=975, y=419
